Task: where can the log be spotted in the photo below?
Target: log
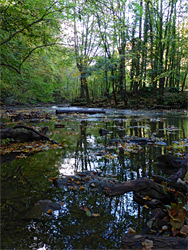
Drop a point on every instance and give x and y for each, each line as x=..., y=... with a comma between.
x=136, y=241
x=19, y=133
x=174, y=162
x=24, y=133
x=177, y=185
x=37, y=132
x=150, y=203
x=135, y=185
x=181, y=172
x=83, y=111
x=169, y=161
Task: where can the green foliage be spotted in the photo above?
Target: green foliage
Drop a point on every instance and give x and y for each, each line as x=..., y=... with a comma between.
x=112, y=52
x=178, y=100
x=6, y=141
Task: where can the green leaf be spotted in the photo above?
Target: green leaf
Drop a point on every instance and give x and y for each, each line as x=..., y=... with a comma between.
x=88, y=213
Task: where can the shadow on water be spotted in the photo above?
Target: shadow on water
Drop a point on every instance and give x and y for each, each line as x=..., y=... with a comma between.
x=26, y=181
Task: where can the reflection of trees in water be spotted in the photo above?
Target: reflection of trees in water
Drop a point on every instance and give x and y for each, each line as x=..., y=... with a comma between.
x=81, y=155
x=73, y=228
x=142, y=163
x=23, y=183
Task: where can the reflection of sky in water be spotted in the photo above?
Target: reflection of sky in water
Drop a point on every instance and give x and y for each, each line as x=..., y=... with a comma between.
x=89, y=153
x=67, y=167
x=135, y=165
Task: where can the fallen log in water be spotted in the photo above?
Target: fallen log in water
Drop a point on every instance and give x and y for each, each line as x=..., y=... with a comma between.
x=42, y=136
x=19, y=133
x=136, y=241
x=169, y=162
x=177, y=185
x=175, y=180
x=135, y=185
x=142, y=188
x=83, y=111
x=154, y=190
x=25, y=133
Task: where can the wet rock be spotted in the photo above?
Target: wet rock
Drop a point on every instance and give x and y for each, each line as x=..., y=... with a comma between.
x=9, y=100
x=45, y=205
x=41, y=207
x=88, y=180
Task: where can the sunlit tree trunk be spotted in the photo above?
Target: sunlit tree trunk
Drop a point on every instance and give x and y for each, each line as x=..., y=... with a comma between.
x=184, y=78
x=84, y=92
x=161, y=70
x=140, y=71
x=122, y=77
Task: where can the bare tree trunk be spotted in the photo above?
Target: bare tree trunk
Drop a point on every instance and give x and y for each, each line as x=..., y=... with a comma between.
x=122, y=79
x=84, y=92
x=113, y=86
x=184, y=79
x=161, y=80
x=135, y=242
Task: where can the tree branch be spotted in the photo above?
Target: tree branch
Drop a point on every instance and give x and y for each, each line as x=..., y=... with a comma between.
x=12, y=67
x=29, y=25
x=38, y=47
x=32, y=50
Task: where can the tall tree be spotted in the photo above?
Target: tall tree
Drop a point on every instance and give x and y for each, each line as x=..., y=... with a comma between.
x=86, y=43
x=27, y=26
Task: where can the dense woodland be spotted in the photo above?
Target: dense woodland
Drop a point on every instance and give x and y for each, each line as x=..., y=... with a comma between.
x=86, y=51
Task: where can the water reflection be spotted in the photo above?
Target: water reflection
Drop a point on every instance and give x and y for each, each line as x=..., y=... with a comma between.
x=86, y=149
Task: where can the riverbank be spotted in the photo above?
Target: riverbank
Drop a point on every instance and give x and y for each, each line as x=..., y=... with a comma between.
x=139, y=101
x=147, y=101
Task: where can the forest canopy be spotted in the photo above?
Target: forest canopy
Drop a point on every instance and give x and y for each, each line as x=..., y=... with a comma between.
x=58, y=51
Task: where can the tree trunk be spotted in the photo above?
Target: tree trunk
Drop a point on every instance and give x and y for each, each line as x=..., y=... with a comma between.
x=122, y=79
x=113, y=86
x=162, y=79
x=135, y=185
x=184, y=79
x=84, y=92
x=137, y=241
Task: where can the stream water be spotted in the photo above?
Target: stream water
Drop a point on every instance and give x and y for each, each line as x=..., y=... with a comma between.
x=26, y=181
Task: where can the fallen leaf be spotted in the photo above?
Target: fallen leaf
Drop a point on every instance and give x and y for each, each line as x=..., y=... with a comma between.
x=146, y=206
x=164, y=228
x=92, y=185
x=131, y=231
x=147, y=244
x=85, y=208
x=95, y=215
x=184, y=231
x=174, y=231
x=88, y=213
x=177, y=214
x=49, y=211
x=82, y=188
x=176, y=224
x=53, y=178
x=77, y=182
x=63, y=143
x=150, y=223
x=147, y=198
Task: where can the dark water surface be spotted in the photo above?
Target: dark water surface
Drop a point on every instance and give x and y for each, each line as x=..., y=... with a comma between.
x=26, y=181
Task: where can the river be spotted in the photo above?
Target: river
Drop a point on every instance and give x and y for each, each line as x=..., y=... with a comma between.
x=90, y=143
